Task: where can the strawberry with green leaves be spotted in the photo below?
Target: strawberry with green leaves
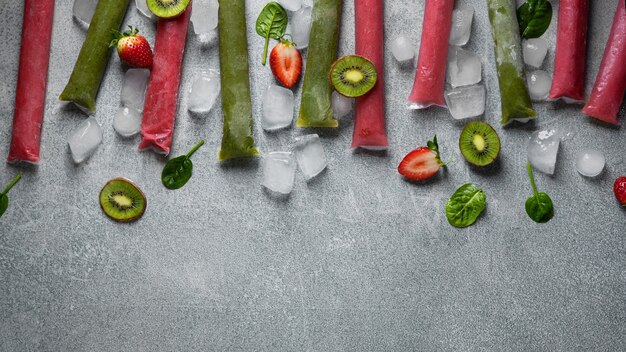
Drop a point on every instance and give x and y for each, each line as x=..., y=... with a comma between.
x=422, y=163
x=286, y=63
x=133, y=48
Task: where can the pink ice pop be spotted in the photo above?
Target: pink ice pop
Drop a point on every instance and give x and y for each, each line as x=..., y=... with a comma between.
x=160, y=107
x=571, y=47
x=369, y=123
x=430, y=74
x=608, y=91
x=32, y=76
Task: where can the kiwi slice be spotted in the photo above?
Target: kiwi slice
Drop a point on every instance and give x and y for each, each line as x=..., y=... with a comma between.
x=353, y=76
x=122, y=200
x=479, y=143
x=167, y=8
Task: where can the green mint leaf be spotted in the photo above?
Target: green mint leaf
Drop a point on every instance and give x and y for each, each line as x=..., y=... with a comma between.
x=465, y=205
x=271, y=23
x=534, y=17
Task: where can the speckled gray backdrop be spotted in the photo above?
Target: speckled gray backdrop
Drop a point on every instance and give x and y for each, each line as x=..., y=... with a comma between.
x=357, y=260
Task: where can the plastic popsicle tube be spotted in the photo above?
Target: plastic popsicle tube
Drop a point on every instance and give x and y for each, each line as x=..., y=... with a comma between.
x=92, y=61
x=237, y=136
x=608, y=90
x=369, y=124
x=315, y=107
x=514, y=98
x=568, y=81
x=159, y=112
x=430, y=74
x=30, y=98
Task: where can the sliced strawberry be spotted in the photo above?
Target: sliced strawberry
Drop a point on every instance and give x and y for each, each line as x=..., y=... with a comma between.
x=619, y=188
x=286, y=63
x=422, y=163
x=133, y=49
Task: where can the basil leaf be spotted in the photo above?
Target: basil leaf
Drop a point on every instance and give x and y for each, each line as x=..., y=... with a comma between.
x=271, y=23
x=465, y=205
x=4, y=203
x=534, y=17
x=539, y=206
x=178, y=171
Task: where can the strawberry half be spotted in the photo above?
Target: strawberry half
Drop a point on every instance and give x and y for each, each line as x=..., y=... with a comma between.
x=286, y=63
x=133, y=49
x=619, y=188
x=422, y=163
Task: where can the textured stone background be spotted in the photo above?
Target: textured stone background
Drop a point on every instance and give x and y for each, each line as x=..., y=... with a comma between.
x=356, y=260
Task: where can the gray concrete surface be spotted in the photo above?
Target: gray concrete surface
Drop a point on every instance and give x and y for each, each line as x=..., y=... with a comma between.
x=357, y=260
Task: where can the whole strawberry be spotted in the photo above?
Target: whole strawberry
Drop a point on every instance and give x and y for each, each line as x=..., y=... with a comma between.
x=619, y=188
x=133, y=48
x=286, y=63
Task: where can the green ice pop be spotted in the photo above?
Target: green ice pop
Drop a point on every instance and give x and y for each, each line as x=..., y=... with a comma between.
x=514, y=96
x=92, y=61
x=237, y=138
x=315, y=108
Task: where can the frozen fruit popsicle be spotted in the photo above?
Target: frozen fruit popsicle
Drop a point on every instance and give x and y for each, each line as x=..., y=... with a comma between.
x=430, y=74
x=315, y=107
x=30, y=99
x=369, y=123
x=237, y=137
x=514, y=96
x=608, y=90
x=92, y=61
x=568, y=81
x=159, y=112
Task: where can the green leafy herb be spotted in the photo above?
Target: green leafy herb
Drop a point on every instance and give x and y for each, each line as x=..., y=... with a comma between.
x=534, y=17
x=178, y=171
x=4, y=198
x=271, y=23
x=539, y=206
x=465, y=205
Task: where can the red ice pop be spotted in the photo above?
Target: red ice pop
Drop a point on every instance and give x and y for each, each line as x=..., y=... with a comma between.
x=369, y=124
x=608, y=91
x=161, y=103
x=30, y=98
x=568, y=81
x=430, y=75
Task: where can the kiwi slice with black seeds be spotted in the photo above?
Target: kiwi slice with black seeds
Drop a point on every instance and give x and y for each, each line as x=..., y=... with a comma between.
x=353, y=76
x=479, y=143
x=122, y=200
x=167, y=8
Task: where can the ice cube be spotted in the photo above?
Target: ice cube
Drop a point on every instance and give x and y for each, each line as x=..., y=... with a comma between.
x=539, y=83
x=279, y=170
x=134, y=88
x=204, y=92
x=403, y=49
x=85, y=140
x=466, y=102
x=308, y=3
x=291, y=5
x=204, y=16
x=464, y=67
x=300, y=27
x=310, y=155
x=535, y=51
x=342, y=105
x=461, y=24
x=543, y=149
x=590, y=162
x=83, y=10
x=142, y=7
x=278, y=104
x=127, y=122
